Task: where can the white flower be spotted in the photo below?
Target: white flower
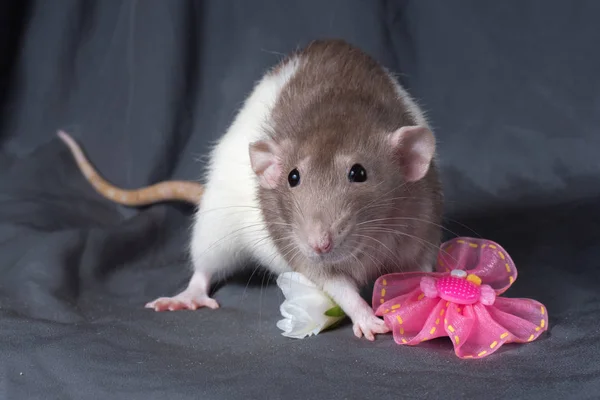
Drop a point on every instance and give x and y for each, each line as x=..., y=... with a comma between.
x=306, y=310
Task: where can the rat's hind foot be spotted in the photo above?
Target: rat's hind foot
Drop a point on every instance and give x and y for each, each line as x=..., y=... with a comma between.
x=192, y=298
x=183, y=301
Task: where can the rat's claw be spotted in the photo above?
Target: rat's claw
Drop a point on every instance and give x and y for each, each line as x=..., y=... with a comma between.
x=357, y=331
x=369, y=326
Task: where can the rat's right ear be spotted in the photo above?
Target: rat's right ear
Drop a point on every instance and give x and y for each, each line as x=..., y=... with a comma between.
x=415, y=148
x=265, y=162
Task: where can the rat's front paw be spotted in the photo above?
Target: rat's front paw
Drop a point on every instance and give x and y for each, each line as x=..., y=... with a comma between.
x=369, y=326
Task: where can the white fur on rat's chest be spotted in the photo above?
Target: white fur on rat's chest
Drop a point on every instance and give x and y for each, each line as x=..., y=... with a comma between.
x=229, y=227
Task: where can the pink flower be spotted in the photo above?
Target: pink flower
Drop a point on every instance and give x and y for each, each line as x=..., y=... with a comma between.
x=460, y=300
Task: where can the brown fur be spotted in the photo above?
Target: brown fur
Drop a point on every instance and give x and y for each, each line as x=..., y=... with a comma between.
x=333, y=113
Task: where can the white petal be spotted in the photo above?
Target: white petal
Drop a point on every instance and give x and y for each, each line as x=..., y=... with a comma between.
x=285, y=325
x=295, y=278
x=292, y=310
x=297, y=323
x=304, y=308
x=293, y=284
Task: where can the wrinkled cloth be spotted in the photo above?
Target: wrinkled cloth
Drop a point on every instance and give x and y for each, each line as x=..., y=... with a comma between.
x=146, y=87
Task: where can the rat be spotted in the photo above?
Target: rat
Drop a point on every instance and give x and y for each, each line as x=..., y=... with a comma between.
x=328, y=169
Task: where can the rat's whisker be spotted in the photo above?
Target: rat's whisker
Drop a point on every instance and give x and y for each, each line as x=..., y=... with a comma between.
x=463, y=225
x=412, y=219
x=295, y=254
x=235, y=233
x=377, y=220
x=394, y=255
x=255, y=243
x=391, y=201
x=212, y=209
x=379, y=198
x=377, y=262
x=433, y=247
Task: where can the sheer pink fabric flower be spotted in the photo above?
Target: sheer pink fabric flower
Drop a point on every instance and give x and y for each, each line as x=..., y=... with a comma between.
x=460, y=300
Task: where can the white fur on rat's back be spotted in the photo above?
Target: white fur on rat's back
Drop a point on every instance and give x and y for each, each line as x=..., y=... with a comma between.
x=228, y=226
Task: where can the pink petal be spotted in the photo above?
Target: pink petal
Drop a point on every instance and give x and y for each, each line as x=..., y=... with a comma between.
x=431, y=328
x=473, y=331
x=391, y=286
x=481, y=257
x=524, y=319
x=412, y=317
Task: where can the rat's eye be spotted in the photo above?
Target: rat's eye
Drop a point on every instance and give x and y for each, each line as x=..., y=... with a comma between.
x=294, y=178
x=357, y=173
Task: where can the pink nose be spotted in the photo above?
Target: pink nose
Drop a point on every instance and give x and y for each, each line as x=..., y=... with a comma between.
x=322, y=244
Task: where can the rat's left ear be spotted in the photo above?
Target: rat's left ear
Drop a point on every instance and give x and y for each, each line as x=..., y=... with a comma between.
x=415, y=147
x=265, y=162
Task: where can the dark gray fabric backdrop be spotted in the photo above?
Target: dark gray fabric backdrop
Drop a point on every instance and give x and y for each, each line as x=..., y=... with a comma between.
x=511, y=88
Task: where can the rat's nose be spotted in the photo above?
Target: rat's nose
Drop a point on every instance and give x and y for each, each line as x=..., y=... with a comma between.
x=321, y=243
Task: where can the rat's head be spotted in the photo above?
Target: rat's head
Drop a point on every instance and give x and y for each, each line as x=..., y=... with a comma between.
x=321, y=195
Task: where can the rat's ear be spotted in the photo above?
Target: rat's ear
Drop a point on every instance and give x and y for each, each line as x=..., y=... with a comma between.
x=265, y=162
x=415, y=147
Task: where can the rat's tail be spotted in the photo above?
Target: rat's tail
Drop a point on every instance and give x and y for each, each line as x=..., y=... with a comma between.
x=187, y=191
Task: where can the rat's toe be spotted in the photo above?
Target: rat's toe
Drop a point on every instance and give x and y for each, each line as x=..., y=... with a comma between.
x=369, y=327
x=204, y=302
